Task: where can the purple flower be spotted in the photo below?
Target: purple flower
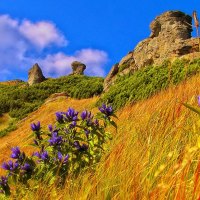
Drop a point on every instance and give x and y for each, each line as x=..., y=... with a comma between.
x=107, y=110
x=71, y=115
x=79, y=147
x=44, y=156
x=37, y=154
x=86, y=115
x=35, y=127
x=4, y=181
x=26, y=167
x=50, y=127
x=72, y=125
x=87, y=132
x=59, y=117
x=15, y=153
x=63, y=159
x=10, y=166
x=198, y=100
x=55, y=139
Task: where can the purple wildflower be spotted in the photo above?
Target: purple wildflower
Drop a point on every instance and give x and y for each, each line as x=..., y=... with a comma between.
x=87, y=132
x=107, y=110
x=71, y=115
x=55, y=139
x=4, y=181
x=26, y=167
x=37, y=154
x=86, y=115
x=63, y=159
x=79, y=147
x=73, y=124
x=35, y=127
x=50, y=127
x=198, y=100
x=59, y=117
x=15, y=153
x=10, y=166
x=44, y=156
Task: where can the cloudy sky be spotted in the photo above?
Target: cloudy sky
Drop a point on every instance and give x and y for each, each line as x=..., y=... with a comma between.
x=55, y=33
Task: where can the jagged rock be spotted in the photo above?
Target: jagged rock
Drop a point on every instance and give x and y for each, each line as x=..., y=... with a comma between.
x=35, y=75
x=170, y=38
x=169, y=33
x=78, y=68
x=109, y=80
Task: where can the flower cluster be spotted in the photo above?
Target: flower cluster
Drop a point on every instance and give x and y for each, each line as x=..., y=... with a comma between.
x=106, y=110
x=73, y=143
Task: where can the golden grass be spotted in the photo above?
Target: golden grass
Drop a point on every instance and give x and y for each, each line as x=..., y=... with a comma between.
x=154, y=153
x=4, y=121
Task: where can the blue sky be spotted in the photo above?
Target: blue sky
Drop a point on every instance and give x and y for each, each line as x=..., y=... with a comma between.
x=54, y=33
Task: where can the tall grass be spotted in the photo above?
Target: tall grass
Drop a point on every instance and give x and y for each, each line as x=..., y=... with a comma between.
x=155, y=154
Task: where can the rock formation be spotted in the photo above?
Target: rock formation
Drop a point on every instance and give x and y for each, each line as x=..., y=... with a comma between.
x=78, y=68
x=35, y=75
x=170, y=38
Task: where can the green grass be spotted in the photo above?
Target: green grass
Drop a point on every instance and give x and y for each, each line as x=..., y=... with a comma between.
x=148, y=81
x=18, y=101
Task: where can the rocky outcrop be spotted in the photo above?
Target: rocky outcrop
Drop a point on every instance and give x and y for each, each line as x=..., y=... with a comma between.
x=35, y=75
x=110, y=79
x=78, y=68
x=170, y=38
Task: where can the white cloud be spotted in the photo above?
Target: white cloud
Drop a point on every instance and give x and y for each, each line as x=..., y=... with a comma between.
x=22, y=41
x=42, y=34
x=60, y=63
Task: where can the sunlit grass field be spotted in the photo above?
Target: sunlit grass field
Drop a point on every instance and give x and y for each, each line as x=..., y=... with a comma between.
x=154, y=154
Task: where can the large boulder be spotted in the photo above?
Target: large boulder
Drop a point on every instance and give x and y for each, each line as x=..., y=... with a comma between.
x=78, y=68
x=170, y=38
x=35, y=75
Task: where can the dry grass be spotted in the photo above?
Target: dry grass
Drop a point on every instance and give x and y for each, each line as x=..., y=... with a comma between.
x=154, y=154
x=4, y=121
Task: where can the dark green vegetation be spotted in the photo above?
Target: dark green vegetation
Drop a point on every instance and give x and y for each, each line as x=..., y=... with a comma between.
x=148, y=81
x=20, y=100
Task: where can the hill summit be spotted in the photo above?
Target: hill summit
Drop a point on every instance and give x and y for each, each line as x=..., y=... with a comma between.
x=170, y=38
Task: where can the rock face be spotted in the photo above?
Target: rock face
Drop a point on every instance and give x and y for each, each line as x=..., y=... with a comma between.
x=35, y=75
x=78, y=68
x=170, y=38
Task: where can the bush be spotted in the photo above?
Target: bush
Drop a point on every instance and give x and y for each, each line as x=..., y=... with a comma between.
x=148, y=81
x=19, y=101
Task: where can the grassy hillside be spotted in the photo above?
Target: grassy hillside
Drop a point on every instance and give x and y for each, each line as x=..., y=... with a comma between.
x=4, y=121
x=153, y=155
x=19, y=100
x=149, y=81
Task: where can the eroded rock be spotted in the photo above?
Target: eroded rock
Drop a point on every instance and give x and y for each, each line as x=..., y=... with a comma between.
x=35, y=75
x=78, y=68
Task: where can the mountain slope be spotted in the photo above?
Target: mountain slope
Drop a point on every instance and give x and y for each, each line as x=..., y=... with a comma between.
x=152, y=156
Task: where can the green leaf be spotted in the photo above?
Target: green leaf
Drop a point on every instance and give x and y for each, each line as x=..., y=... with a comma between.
x=196, y=110
x=113, y=123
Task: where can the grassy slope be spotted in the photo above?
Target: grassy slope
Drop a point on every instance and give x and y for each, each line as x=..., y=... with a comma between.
x=46, y=115
x=152, y=156
x=4, y=121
